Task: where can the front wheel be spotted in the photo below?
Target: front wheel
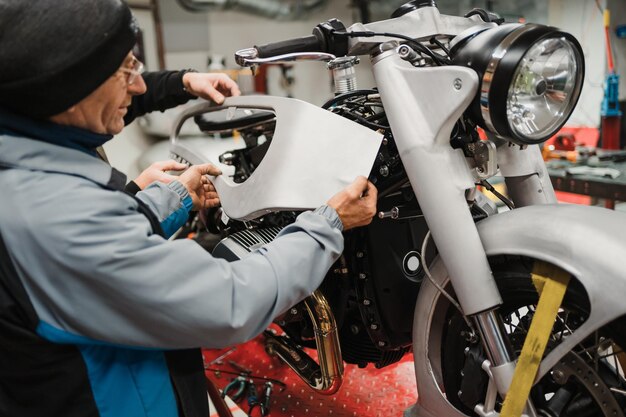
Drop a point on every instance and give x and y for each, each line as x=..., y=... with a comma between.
x=588, y=382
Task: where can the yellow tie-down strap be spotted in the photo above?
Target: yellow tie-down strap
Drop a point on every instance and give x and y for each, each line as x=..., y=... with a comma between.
x=551, y=283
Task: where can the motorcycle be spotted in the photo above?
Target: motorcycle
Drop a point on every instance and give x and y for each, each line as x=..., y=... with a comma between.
x=440, y=271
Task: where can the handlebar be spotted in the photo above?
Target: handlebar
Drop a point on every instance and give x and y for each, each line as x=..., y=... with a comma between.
x=323, y=40
x=416, y=22
x=304, y=44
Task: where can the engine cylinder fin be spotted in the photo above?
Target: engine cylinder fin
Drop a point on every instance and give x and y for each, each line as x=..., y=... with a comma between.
x=248, y=239
x=359, y=349
x=269, y=234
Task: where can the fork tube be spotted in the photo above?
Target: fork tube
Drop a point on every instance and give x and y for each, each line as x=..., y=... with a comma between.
x=497, y=347
x=527, y=179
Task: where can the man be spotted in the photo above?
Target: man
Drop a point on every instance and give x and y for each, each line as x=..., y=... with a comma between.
x=100, y=315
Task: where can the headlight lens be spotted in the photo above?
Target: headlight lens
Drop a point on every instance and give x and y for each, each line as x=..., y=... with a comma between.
x=543, y=84
x=530, y=79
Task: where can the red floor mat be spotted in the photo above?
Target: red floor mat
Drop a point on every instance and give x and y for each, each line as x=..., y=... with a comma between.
x=368, y=392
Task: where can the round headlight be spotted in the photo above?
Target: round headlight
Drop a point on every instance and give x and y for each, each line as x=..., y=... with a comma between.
x=530, y=79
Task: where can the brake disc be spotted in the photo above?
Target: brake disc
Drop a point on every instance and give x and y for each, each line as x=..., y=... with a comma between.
x=572, y=365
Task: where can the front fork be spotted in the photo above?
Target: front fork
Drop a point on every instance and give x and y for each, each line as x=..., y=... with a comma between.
x=527, y=183
x=422, y=106
x=525, y=174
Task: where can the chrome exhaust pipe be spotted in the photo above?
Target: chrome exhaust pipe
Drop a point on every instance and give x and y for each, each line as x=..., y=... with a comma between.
x=327, y=376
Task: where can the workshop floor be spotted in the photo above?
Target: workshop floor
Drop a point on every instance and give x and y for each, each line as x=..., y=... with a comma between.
x=368, y=392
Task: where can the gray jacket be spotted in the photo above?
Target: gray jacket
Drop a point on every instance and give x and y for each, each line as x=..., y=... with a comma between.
x=93, y=268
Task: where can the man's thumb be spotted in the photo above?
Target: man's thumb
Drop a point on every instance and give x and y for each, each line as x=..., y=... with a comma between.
x=208, y=169
x=359, y=184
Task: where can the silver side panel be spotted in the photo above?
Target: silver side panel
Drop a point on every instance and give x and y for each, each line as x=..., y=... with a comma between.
x=422, y=106
x=313, y=155
x=420, y=24
x=586, y=241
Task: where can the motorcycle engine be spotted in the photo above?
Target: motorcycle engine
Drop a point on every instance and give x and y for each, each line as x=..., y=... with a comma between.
x=373, y=287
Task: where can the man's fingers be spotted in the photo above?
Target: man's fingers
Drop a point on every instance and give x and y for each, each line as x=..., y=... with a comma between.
x=229, y=86
x=222, y=86
x=216, y=96
x=211, y=202
x=174, y=166
x=208, y=188
x=371, y=192
x=358, y=187
x=214, y=86
x=170, y=165
x=208, y=169
x=208, y=92
x=210, y=194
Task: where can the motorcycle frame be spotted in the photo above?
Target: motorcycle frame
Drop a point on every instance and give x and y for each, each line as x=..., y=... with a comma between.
x=422, y=105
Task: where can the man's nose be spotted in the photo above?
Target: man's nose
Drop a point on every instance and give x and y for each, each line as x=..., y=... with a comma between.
x=138, y=87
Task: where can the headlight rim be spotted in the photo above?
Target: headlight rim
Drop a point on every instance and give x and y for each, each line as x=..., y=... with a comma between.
x=534, y=35
x=496, y=58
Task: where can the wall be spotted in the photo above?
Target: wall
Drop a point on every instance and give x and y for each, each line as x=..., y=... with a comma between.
x=583, y=19
x=182, y=31
x=231, y=31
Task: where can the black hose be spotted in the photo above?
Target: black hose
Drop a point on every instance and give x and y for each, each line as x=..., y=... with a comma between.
x=355, y=117
x=436, y=41
x=346, y=96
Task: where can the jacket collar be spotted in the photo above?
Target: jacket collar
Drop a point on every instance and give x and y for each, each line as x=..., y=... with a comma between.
x=46, y=131
x=31, y=154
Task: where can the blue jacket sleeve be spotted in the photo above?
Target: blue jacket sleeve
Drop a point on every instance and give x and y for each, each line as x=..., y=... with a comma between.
x=171, y=204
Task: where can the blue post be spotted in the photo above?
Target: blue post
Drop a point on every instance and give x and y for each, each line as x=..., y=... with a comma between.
x=610, y=103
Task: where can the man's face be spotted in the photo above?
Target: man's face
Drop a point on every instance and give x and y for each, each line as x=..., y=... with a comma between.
x=104, y=109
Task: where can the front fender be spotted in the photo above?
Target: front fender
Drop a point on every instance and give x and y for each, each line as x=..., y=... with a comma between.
x=588, y=242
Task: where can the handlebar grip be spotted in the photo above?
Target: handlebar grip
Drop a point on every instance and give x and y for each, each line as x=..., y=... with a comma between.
x=309, y=43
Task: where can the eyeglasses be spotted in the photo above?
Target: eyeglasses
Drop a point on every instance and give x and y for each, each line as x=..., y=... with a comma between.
x=135, y=71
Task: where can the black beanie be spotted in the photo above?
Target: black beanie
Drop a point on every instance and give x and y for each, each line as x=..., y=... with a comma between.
x=54, y=53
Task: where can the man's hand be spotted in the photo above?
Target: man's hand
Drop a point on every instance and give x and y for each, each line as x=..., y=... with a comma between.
x=201, y=190
x=157, y=172
x=214, y=86
x=355, y=204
